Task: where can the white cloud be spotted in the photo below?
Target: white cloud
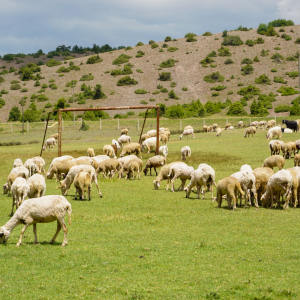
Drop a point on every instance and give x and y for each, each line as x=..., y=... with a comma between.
x=290, y=10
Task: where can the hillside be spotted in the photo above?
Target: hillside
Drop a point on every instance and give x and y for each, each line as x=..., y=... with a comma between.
x=187, y=72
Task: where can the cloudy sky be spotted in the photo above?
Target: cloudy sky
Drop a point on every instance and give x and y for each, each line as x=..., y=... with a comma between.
x=30, y=25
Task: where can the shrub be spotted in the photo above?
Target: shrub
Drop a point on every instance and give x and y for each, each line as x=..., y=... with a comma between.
x=37, y=83
x=153, y=46
x=184, y=89
x=224, y=33
x=273, y=70
x=175, y=111
x=212, y=54
x=139, y=71
x=151, y=42
x=250, y=89
x=219, y=88
x=14, y=81
x=279, y=79
x=63, y=69
x=271, y=31
x=277, y=48
x=42, y=98
x=236, y=109
x=127, y=48
x=3, y=91
x=155, y=92
x=24, y=90
x=293, y=74
x=86, y=77
x=161, y=50
x=159, y=86
x=41, y=91
x=286, y=91
x=228, y=61
x=144, y=102
x=1, y=79
x=224, y=51
x=152, y=99
x=53, y=86
x=207, y=33
x=247, y=69
x=250, y=43
x=164, y=76
x=259, y=40
x=168, y=63
x=280, y=23
x=121, y=59
x=264, y=52
x=168, y=39
x=246, y=61
x=297, y=41
x=53, y=63
x=140, y=91
x=48, y=105
x=191, y=39
x=165, y=45
x=207, y=60
x=232, y=40
x=2, y=102
x=258, y=109
x=214, y=77
x=127, y=80
x=215, y=94
x=230, y=93
x=172, y=95
x=140, y=53
x=116, y=72
x=14, y=114
x=15, y=86
x=295, y=109
x=139, y=44
x=172, y=49
x=84, y=126
x=282, y=108
x=263, y=79
x=163, y=90
x=291, y=58
x=94, y=59
x=173, y=84
x=255, y=59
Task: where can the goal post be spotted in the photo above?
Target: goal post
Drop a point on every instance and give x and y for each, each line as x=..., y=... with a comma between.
x=103, y=108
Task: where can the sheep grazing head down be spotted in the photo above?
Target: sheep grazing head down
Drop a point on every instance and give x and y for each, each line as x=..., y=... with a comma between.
x=156, y=184
x=4, y=235
x=63, y=188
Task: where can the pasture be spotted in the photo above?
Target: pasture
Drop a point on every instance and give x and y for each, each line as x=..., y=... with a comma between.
x=139, y=243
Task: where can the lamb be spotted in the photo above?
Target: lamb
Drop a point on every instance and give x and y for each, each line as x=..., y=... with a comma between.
x=131, y=166
x=163, y=175
x=273, y=132
x=163, y=138
x=37, y=186
x=274, y=161
x=254, y=124
x=20, y=172
x=17, y=163
x=181, y=171
x=60, y=165
x=154, y=162
x=240, y=124
x=185, y=151
x=286, y=150
x=204, y=128
x=39, y=164
x=297, y=160
x=149, y=144
x=246, y=168
x=262, y=176
x=282, y=181
x=163, y=150
x=202, y=177
x=229, y=186
x=125, y=159
x=43, y=210
x=187, y=133
x=124, y=139
x=114, y=142
x=109, y=151
x=144, y=137
x=30, y=165
x=152, y=133
x=293, y=125
x=247, y=181
x=67, y=182
x=250, y=130
x=49, y=142
x=275, y=147
x=131, y=148
x=262, y=123
x=110, y=165
x=83, y=183
x=219, y=131
x=90, y=152
x=55, y=136
x=19, y=191
x=124, y=131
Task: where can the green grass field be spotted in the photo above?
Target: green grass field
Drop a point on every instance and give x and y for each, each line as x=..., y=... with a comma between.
x=139, y=243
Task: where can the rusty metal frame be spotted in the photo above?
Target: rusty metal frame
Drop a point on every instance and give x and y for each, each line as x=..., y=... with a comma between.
x=104, y=108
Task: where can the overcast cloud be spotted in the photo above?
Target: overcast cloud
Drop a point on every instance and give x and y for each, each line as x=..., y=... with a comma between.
x=27, y=26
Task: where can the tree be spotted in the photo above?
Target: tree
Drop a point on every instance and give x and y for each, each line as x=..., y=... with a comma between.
x=295, y=110
x=236, y=109
x=98, y=94
x=14, y=114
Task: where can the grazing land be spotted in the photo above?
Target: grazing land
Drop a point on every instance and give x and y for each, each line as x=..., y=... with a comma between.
x=139, y=243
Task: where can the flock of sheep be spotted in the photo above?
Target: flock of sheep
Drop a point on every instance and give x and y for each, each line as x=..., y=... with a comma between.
x=256, y=186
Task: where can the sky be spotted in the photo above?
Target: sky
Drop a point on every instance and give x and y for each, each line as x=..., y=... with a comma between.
x=27, y=26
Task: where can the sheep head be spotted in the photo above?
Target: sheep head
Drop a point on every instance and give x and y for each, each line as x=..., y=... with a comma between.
x=4, y=235
x=156, y=184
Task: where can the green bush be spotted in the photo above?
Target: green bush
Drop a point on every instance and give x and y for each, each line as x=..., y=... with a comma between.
x=295, y=109
x=159, y=86
x=228, y=61
x=173, y=84
x=84, y=126
x=3, y=91
x=152, y=99
x=53, y=86
x=42, y=98
x=191, y=39
x=153, y=46
x=2, y=102
x=212, y=54
x=165, y=45
x=175, y=111
x=279, y=79
x=232, y=40
x=263, y=79
x=218, y=88
x=168, y=39
x=247, y=69
x=151, y=42
x=140, y=91
x=155, y=92
x=63, y=69
x=86, y=77
x=14, y=81
x=271, y=32
x=282, y=108
x=250, y=43
x=286, y=91
x=255, y=59
x=37, y=83
x=207, y=33
x=293, y=74
x=277, y=48
x=168, y=63
x=139, y=71
x=48, y=105
x=163, y=90
x=121, y=59
x=164, y=76
x=1, y=79
x=207, y=60
x=236, y=109
x=214, y=77
x=246, y=61
x=286, y=37
x=215, y=94
x=94, y=59
x=127, y=48
x=259, y=40
x=297, y=41
x=139, y=44
x=224, y=51
x=24, y=90
x=14, y=114
x=258, y=109
x=280, y=23
x=172, y=49
x=264, y=52
x=172, y=95
x=224, y=33
x=144, y=102
x=53, y=63
x=15, y=86
x=184, y=89
x=250, y=89
x=41, y=91
x=140, y=53
x=127, y=80
x=291, y=58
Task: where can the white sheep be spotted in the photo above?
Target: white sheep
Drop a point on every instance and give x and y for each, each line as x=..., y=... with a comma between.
x=250, y=130
x=20, y=172
x=152, y=133
x=144, y=137
x=42, y=210
x=188, y=127
x=149, y=144
x=109, y=151
x=124, y=131
x=274, y=161
x=17, y=163
x=39, y=164
x=90, y=152
x=114, y=142
x=19, y=191
x=60, y=165
x=49, y=142
x=30, y=165
x=154, y=162
x=218, y=131
x=131, y=166
x=275, y=147
x=187, y=133
x=83, y=183
x=185, y=151
x=230, y=128
x=240, y=124
x=131, y=148
x=110, y=165
x=125, y=159
x=246, y=168
x=163, y=150
x=124, y=139
x=254, y=124
x=286, y=130
x=181, y=171
x=163, y=138
x=273, y=132
x=262, y=123
x=37, y=186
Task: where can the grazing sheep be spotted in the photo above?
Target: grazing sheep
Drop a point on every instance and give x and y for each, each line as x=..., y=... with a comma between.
x=187, y=132
x=109, y=151
x=10, y=180
x=144, y=137
x=19, y=191
x=163, y=138
x=293, y=125
x=274, y=161
x=286, y=130
x=39, y=164
x=85, y=160
x=163, y=175
x=247, y=181
x=114, y=142
x=219, y=131
x=60, y=165
x=204, y=128
x=297, y=145
x=273, y=132
x=149, y=144
x=156, y=161
x=131, y=148
x=214, y=127
x=297, y=160
x=54, y=135
x=294, y=186
x=163, y=150
x=181, y=171
x=17, y=163
x=185, y=151
x=254, y=124
x=286, y=150
x=49, y=142
x=282, y=181
x=240, y=124
x=294, y=147
x=152, y=133
x=37, y=186
x=83, y=183
x=125, y=159
x=20, y=172
x=131, y=166
x=124, y=139
x=6, y=190
x=250, y=130
x=246, y=168
x=30, y=165
x=227, y=126
x=275, y=147
x=98, y=159
x=124, y=131
x=228, y=186
x=67, y=182
x=230, y=128
x=90, y=152
x=262, y=123
x=110, y=165
x=42, y=210
x=270, y=124
x=262, y=176
x=201, y=178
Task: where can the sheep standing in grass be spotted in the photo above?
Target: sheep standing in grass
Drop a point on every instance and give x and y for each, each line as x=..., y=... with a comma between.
x=218, y=131
x=294, y=147
x=60, y=165
x=270, y=124
x=262, y=124
x=42, y=210
x=214, y=127
x=273, y=132
x=275, y=147
x=131, y=166
x=227, y=126
x=204, y=128
x=286, y=150
x=250, y=130
x=297, y=160
x=246, y=168
x=39, y=164
x=295, y=186
x=125, y=159
x=262, y=176
x=187, y=132
x=10, y=180
x=152, y=133
x=124, y=139
x=17, y=163
x=124, y=131
x=149, y=144
x=185, y=151
x=37, y=186
x=163, y=150
x=110, y=166
x=54, y=135
x=228, y=186
x=254, y=124
x=144, y=137
x=20, y=172
x=163, y=138
x=83, y=183
x=19, y=191
x=181, y=171
x=156, y=161
x=30, y=165
x=90, y=152
x=274, y=161
x=131, y=148
x=109, y=151
x=49, y=142
x=240, y=124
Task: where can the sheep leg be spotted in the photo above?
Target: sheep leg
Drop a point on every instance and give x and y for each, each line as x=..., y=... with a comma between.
x=76, y=191
x=104, y=176
x=35, y=235
x=89, y=193
x=22, y=233
x=168, y=181
x=65, y=229
x=150, y=171
x=95, y=180
x=232, y=196
x=181, y=187
x=155, y=171
x=172, y=183
x=198, y=191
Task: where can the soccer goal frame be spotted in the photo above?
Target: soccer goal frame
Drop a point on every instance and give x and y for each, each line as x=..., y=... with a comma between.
x=59, y=111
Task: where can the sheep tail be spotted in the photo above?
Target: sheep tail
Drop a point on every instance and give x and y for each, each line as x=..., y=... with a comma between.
x=69, y=209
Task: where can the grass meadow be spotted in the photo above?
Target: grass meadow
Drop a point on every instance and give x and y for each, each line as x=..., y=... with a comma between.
x=139, y=243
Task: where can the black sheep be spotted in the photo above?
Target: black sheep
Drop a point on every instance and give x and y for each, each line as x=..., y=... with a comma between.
x=291, y=124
